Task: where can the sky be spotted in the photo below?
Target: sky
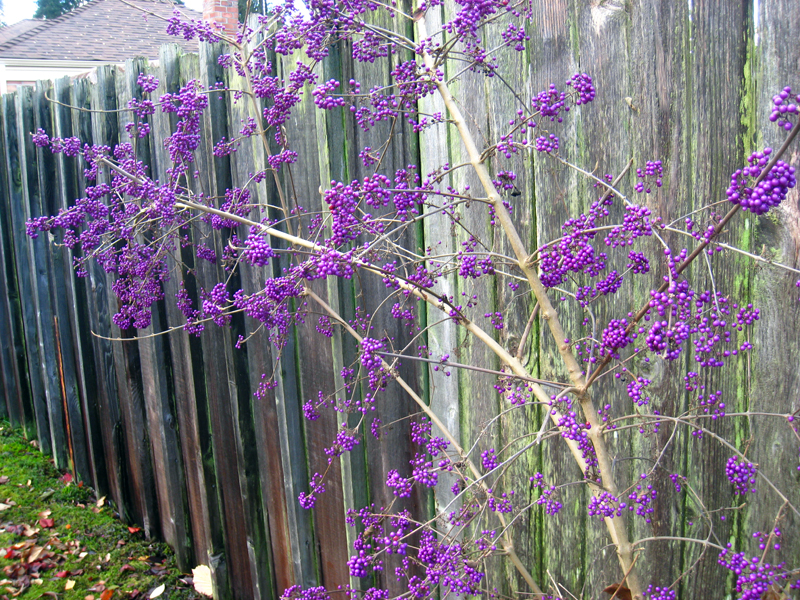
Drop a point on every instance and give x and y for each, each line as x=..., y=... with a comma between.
x=17, y=10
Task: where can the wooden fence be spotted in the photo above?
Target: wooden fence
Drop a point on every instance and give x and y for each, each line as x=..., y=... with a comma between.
x=168, y=425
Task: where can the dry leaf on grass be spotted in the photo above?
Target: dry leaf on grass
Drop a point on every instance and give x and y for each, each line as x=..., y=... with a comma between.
x=157, y=591
x=201, y=578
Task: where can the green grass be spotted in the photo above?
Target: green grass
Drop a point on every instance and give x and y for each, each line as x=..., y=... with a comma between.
x=58, y=540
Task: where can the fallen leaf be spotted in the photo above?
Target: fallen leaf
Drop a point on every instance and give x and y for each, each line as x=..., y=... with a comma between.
x=69, y=584
x=29, y=531
x=45, y=513
x=108, y=557
x=157, y=591
x=774, y=592
x=619, y=591
x=89, y=597
x=37, y=581
x=101, y=501
x=62, y=574
x=4, y=506
x=201, y=577
x=134, y=529
x=66, y=477
x=46, y=523
x=106, y=595
x=36, y=551
x=82, y=555
x=3, y=479
x=29, y=483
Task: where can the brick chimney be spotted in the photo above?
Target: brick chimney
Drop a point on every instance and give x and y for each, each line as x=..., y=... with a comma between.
x=224, y=12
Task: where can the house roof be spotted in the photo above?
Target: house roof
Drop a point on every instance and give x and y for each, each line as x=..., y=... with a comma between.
x=11, y=31
x=101, y=30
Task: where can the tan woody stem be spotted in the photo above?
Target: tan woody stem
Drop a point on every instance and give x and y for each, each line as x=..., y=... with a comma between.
x=616, y=526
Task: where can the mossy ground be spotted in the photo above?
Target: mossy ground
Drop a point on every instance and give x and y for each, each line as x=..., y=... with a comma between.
x=58, y=540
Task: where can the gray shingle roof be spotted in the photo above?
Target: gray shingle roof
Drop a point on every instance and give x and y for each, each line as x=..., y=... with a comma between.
x=101, y=30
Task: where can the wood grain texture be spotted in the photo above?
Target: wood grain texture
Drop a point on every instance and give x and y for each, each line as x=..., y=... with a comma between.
x=137, y=463
x=18, y=180
x=102, y=97
x=184, y=352
x=302, y=188
x=76, y=122
x=235, y=566
x=35, y=114
x=509, y=433
x=771, y=373
x=63, y=353
x=14, y=385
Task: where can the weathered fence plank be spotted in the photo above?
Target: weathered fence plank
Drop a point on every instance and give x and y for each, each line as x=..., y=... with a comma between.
x=18, y=174
x=59, y=272
x=249, y=422
x=771, y=374
x=68, y=122
x=34, y=116
x=99, y=296
x=185, y=353
x=15, y=384
x=221, y=381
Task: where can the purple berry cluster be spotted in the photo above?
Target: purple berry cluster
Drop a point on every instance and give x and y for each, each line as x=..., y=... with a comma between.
x=258, y=251
x=316, y=487
x=582, y=84
x=605, y=505
x=769, y=192
x=346, y=440
x=641, y=500
x=548, y=497
x=658, y=593
x=784, y=107
x=547, y=144
x=615, y=337
x=322, y=97
x=742, y=474
x=754, y=577
x=488, y=460
x=652, y=171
